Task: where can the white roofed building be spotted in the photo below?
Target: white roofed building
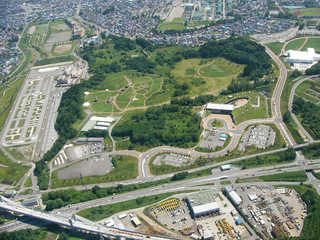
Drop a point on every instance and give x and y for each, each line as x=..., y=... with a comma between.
x=307, y=58
x=220, y=108
x=202, y=203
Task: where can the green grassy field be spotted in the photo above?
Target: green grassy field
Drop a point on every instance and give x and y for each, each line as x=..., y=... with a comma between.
x=275, y=47
x=42, y=29
x=9, y=170
x=220, y=68
x=126, y=167
x=217, y=74
x=102, y=107
x=175, y=24
x=247, y=111
x=312, y=43
x=295, y=44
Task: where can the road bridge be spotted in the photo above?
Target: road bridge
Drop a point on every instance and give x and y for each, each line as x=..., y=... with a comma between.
x=74, y=221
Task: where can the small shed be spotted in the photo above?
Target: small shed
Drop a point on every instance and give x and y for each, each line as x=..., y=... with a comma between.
x=135, y=221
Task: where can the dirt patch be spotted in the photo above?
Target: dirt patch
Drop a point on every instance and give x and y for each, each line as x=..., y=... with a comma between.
x=59, y=37
x=240, y=102
x=151, y=227
x=62, y=48
x=32, y=30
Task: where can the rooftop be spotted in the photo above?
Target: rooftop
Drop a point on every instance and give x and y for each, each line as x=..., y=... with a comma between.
x=216, y=106
x=202, y=198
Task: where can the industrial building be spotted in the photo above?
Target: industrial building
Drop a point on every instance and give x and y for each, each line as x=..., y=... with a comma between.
x=99, y=123
x=70, y=76
x=203, y=203
x=220, y=108
x=234, y=197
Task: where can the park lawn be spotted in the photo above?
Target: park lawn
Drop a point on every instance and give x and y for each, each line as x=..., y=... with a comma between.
x=101, y=212
x=216, y=78
x=102, y=96
x=137, y=103
x=125, y=168
x=175, y=24
x=295, y=44
x=156, y=86
x=42, y=29
x=247, y=112
x=312, y=43
x=220, y=68
x=158, y=97
x=126, y=96
x=102, y=107
x=114, y=81
x=11, y=171
x=275, y=47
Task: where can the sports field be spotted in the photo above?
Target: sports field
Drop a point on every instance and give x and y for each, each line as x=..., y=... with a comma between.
x=175, y=24
x=307, y=12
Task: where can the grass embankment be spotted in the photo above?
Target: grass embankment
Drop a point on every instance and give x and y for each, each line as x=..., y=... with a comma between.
x=101, y=212
x=291, y=125
x=125, y=168
x=9, y=170
x=299, y=176
x=54, y=60
x=275, y=47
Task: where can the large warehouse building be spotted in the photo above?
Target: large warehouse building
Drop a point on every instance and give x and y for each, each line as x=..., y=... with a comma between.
x=303, y=58
x=203, y=203
x=220, y=108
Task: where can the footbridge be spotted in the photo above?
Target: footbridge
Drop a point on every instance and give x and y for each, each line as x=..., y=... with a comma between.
x=74, y=222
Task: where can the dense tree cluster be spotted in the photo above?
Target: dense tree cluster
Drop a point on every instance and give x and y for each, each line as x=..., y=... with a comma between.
x=312, y=150
x=314, y=70
x=165, y=125
x=61, y=198
x=25, y=234
x=240, y=50
x=197, y=101
x=69, y=111
x=122, y=43
x=310, y=114
x=179, y=176
x=141, y=64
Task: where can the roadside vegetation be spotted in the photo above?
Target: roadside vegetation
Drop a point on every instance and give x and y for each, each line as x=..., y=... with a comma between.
x=312, y=151
x=309, y=114
x=101, y=212
x=299, y=176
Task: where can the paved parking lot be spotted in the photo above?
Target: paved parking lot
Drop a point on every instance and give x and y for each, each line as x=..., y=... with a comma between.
x=211, y=140
x=92, y=166
x=174, y=160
